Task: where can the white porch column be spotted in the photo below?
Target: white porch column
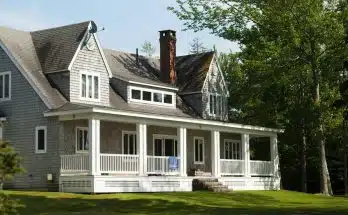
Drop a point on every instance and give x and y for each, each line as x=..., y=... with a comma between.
x=0, y=132
x=275, y=162
x=142, y=148
x=94, y=146
x=215, y=153
x=246, y=154
x=182, y=138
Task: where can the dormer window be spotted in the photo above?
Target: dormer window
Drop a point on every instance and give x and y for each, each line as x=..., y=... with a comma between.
x=151, y=96
x=216, y=103
x=89, y=85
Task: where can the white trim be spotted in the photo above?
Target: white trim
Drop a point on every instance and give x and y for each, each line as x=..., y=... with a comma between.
x=77, y=150
x=240, y=148
x=37, y=128
x=9, y=86
x=27, y=75
x=222, y=74
x=129, y=133
x=102, y=54
x=93, y=74
x=2, y=119
x=232, y=127
x=153, y=85
x=190, y=93
x=206, y=76
x=194, y=149
x=152, y=91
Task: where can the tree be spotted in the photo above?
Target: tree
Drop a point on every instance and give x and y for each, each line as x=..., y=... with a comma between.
x=291, y=53
x=9, y=166
x=148, y=48
x=196, y=46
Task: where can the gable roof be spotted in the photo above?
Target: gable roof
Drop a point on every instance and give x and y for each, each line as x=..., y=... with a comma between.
x=56, y=47
x=19, y=47
x=191, y=69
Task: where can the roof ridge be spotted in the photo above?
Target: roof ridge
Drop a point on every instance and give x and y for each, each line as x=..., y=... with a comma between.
x=124, y=52
x=201, y=53
x=62, y=26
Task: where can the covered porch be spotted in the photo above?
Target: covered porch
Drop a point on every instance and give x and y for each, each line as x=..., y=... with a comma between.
x=143, y=154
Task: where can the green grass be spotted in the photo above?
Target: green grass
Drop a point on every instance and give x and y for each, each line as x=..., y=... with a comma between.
x=238, y=202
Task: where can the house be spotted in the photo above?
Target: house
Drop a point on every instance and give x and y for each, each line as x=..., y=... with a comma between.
x=87, y=119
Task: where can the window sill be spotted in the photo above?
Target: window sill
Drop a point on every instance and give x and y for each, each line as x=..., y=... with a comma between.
x=89, y=99
x=4, y=100
x=198, y=162
x=40, y=152
x=82, y=151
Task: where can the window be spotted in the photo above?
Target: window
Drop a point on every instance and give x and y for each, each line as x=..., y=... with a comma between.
x=216, y=104
x=199, y=150
x=129, y=142
x=81, y=139
x=40, y=139
x=5, y=86
x=151, y=96
x=232, y=149
x=165, y=145
x=90, y=85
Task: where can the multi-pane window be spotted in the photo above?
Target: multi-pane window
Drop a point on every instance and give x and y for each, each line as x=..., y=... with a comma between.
x=165, y=146
x=90, y=85
x=232, y=149
x=40, y=139
x=81, y=139
x=216, y=104
x=151, y=96
x=199, y=150
x=5, y=86
x=129, y=143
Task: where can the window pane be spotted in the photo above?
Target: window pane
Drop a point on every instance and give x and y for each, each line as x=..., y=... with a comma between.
x=211, y=104
x=125, y=144
x=89, y=86
x=218, y=105
x=85, y=138
x=169, y=147
x=168, y=99
x=96, y=87
x=146, y=96
x=80, y=138
x=135, y=143
x=131, y=144
x=196, y=150
x=157, y=97
x=83, y=86
x=7, y=86
x=201, y=152
x=135, y=94
x=158, y=147
x=1, y=86
x=41, y=139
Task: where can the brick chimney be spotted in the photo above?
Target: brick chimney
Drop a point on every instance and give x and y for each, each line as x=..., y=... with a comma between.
x=167, y=55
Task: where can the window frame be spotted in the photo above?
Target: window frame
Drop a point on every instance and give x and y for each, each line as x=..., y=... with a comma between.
x=237, y=153
x=135, y=142
x=176, y=146
x=152, y=91
x=37, y=150
x=9, y=86
x=194, y=149
x=217, y=110
x=77, y=150
x=93, y=74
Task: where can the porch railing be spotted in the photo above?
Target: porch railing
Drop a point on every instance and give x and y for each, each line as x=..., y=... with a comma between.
x=261, y=167
x=160, y=165
x=77, y=163
x=231, y=167
x=119, y=163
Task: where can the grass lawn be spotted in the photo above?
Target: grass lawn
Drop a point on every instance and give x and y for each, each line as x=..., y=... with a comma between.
x=238, y=202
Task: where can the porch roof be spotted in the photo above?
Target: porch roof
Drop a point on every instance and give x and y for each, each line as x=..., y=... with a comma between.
x=164, y=116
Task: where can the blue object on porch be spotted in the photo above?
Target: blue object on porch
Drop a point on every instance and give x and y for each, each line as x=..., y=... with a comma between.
x=173, y=163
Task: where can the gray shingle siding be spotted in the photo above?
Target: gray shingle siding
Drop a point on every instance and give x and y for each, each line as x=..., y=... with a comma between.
x=90, y=61
x=23, y=113
x=61, y=81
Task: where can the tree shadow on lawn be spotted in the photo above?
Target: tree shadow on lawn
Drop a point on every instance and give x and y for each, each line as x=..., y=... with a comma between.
x=161, y=203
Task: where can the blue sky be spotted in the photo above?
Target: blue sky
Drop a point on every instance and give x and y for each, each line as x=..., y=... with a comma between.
x=127, y=23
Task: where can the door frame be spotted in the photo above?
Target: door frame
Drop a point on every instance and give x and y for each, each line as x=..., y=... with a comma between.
x=163, y=136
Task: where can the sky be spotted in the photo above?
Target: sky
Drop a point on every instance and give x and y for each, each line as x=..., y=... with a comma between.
x=127, y=23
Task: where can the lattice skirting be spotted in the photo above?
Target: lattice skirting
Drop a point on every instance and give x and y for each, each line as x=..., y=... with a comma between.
x=112, y=184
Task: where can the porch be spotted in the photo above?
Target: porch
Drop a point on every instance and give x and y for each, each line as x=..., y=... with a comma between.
x=134, y=157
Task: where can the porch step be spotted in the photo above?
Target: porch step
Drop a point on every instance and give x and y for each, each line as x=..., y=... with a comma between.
x=208, y=184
